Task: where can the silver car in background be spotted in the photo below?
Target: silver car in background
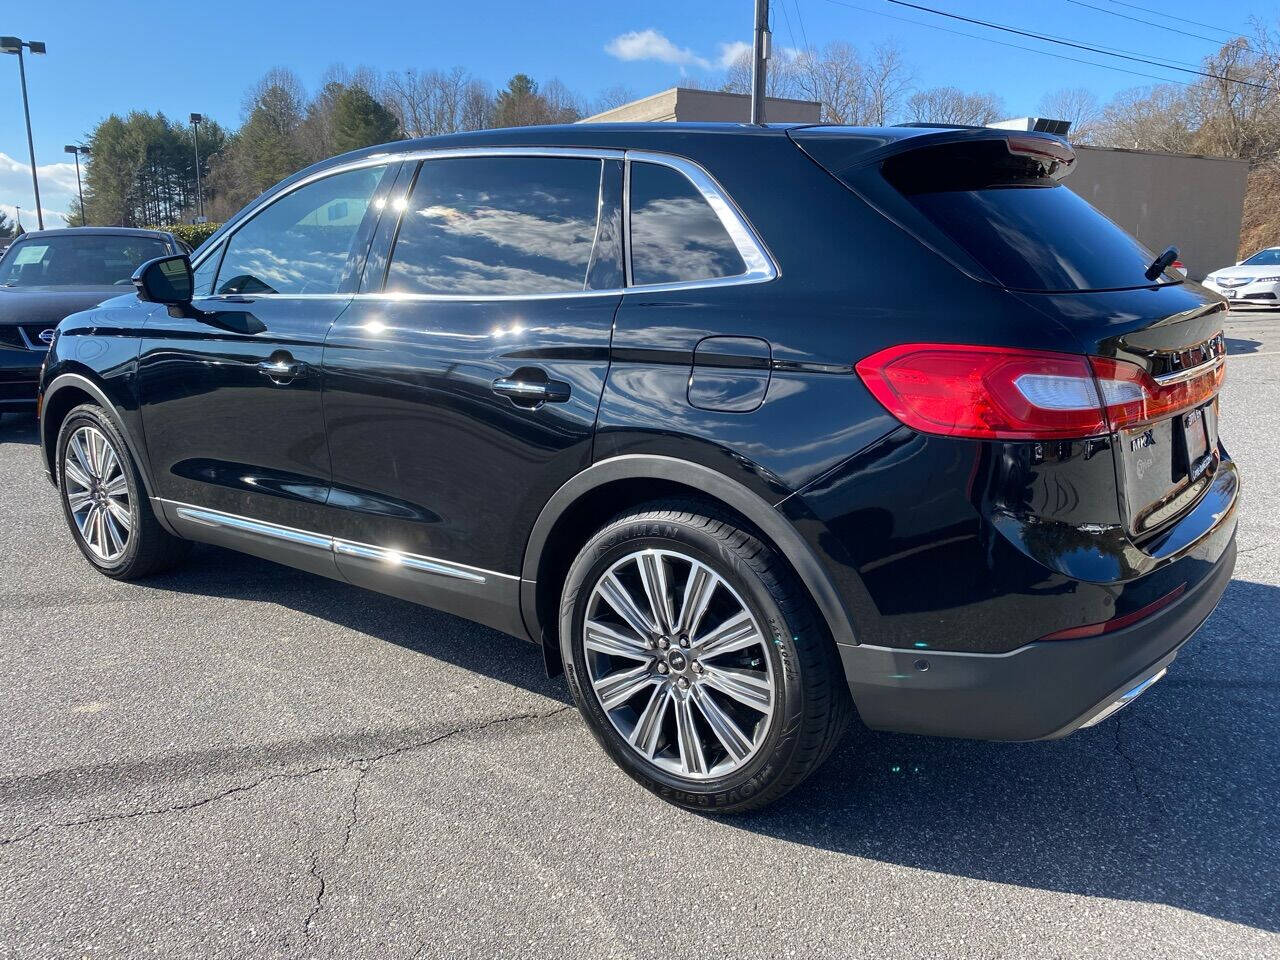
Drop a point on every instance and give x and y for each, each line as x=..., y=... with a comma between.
x=1252, y=282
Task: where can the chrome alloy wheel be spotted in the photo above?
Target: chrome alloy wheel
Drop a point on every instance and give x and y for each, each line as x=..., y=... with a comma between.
x=678, y=663
x=97, y=493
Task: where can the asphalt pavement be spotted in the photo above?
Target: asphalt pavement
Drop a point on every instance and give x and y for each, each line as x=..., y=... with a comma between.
x=238, y=760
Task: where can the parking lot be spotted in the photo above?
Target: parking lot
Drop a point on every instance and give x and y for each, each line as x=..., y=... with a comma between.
x=236, y=759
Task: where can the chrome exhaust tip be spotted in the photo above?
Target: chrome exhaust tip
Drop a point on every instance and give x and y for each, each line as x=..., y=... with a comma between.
x=1126, y=698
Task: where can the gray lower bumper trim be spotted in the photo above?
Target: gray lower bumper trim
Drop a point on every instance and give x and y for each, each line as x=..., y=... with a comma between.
x=1040, y=691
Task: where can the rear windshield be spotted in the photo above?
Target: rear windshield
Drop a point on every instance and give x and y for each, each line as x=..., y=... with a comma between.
x=1029, y=230
x=70, y=260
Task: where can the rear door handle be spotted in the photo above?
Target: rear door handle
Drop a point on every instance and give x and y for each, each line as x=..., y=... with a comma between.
x=283, y=369
x=531, y=388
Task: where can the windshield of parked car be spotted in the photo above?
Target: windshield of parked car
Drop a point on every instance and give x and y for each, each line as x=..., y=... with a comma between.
x=88, y=260
x=1264, y=258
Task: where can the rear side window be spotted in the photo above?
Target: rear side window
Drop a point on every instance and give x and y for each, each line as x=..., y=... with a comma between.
x=675, y=235
x=488, y=226
x=301, y=242
x=1028, y=229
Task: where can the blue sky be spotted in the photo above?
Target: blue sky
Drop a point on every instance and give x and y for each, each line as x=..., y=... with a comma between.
x=184, y=56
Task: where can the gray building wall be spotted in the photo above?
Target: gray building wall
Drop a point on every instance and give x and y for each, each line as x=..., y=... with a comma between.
x=1168, y=199
x=686, y=105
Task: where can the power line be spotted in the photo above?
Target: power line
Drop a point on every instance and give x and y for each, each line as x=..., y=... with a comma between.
x=1150, y=23
x=1071, y=43
x=1012, y=46
x=787, y=18
x=1167, y=16
x=803, y=32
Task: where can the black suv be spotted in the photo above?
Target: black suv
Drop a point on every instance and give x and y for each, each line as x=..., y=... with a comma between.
x=746, y=426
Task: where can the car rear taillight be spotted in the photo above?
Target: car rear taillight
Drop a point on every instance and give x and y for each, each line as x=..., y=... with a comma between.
x=1133, y=397
x=992, y=393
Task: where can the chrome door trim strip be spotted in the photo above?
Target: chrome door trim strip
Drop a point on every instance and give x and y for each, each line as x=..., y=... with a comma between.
x=394, y=558
x=335, y=545
x=216, y=518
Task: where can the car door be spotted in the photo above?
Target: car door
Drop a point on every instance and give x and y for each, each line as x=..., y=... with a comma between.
x=231, y=392
x=462, y=384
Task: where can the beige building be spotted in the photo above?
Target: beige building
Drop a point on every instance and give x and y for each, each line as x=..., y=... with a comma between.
x=686, y=105
x=1164, y=199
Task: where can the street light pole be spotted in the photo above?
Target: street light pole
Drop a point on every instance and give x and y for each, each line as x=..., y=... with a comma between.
x=76, y=151
x=196, y=120
x=14, y=45
x=759, y=57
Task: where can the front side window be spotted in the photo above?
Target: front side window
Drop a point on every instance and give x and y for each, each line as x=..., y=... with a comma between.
x=203, y=275
x=675, y=235
x=492, y=226
x=77, y=260
x=300, y=243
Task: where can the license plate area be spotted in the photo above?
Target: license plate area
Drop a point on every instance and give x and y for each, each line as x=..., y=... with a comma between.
x=1166, y=465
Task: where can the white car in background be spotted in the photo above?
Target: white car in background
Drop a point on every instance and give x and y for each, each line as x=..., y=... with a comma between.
x=1255, y=281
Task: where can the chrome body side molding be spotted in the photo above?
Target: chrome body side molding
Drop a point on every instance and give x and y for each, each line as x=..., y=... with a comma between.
x=393, y=559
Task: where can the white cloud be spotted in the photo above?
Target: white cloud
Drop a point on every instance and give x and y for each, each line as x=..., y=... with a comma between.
x=653, y=45
x=57, y=189
x=731, y=53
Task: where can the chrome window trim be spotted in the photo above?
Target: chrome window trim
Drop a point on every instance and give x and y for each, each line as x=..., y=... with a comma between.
x=761, y=267
x=336, y=545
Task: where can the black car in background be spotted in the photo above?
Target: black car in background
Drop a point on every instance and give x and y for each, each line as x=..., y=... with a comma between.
x=745, y=426
x=46, y=275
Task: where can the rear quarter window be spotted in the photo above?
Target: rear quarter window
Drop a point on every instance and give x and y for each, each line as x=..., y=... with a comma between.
x=675, y=235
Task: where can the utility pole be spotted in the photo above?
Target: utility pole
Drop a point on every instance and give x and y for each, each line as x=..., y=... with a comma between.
x=759, y=60
x=76, y=150
x=196, y=120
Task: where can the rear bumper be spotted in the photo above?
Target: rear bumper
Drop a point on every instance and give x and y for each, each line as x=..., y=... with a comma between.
x=1039, y=691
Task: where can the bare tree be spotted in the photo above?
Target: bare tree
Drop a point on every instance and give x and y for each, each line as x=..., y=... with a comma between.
x=953, y=105
x=780, y=78
x=612, y=98
x=1079, y=105
x=437, y=101
x=563, y=105
x=833, y=76
x=1148, y=118
x=886, y=78
x=851, y=88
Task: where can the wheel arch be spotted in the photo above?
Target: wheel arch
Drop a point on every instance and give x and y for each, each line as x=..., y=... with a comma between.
x=602, y=490
x=64, y=393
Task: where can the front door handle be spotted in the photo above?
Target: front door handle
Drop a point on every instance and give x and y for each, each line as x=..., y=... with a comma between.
x=283, y=369
x=529, y=387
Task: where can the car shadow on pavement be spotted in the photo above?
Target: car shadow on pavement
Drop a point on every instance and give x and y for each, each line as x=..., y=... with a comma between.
x=213, y=571
x=1172, y=801
x=1237, y=346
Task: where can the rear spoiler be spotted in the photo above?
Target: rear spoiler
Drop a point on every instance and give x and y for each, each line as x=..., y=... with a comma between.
x=842, y=150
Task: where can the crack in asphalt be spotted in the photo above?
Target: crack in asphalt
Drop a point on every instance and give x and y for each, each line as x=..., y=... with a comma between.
x=1135, y=773
x=361, y=763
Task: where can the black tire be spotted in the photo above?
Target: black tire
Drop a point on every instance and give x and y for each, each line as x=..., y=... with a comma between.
x=149, y=548
x=811, y=706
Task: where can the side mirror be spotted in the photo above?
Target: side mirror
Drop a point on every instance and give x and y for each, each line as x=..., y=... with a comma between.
x=165, y=280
